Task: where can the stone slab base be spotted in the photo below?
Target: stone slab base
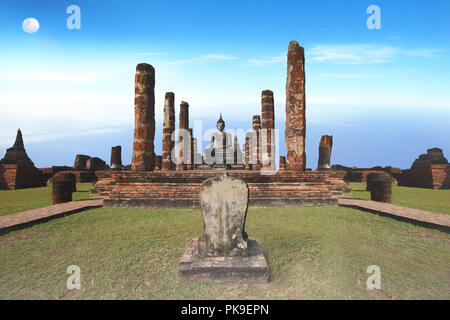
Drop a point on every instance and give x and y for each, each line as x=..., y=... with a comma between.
x=251, y=269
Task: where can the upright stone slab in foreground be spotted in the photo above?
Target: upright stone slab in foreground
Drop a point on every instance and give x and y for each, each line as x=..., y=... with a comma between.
x=295, y=108
x=223, y=253
x=144, y=124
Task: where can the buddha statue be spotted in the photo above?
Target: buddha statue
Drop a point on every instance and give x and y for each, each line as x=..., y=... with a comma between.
x=220, y=148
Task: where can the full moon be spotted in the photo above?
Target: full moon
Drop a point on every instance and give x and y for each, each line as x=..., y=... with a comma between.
x=30, y=25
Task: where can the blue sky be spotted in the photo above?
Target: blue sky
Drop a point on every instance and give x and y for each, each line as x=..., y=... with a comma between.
x=384, y=94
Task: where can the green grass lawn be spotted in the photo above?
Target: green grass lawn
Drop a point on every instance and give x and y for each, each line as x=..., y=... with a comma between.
x=312, y=253
x=12, y=201
x=420, y=198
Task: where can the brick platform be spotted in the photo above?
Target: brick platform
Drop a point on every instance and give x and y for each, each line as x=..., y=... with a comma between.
x=181, y=188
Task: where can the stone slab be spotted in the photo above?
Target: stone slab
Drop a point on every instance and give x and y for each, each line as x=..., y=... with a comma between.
x=251, y=269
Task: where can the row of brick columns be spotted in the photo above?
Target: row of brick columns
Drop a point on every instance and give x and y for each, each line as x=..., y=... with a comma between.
x=259, y=148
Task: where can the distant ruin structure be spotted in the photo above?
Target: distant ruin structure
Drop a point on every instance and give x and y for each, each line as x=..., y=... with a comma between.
x=17, y=171
x=430, y=170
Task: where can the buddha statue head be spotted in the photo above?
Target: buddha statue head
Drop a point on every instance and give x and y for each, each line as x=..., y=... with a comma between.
x=220, y=124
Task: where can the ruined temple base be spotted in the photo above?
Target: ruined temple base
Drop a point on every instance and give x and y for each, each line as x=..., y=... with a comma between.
x=180, y=189
x=251, y=269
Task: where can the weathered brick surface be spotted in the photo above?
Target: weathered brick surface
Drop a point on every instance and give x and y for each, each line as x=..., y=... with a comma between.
x=116, y=158
x=180, y=188
x=17, y=171
x=282, y=163
x=144, y=124
x=325, y=146
x=81, y=161
x=267, y=132
x=295, y=108
x=19, y=176
x=336, y=183
x=62, y=187
x=183, y=143
x=380, y=187
x=168, y=128
x=255, y=144
x=430, y=170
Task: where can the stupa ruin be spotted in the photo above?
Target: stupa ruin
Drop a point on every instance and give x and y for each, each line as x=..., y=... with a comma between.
x=17, y=171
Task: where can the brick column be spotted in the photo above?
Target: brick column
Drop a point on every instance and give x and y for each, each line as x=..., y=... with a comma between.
x=267, y=126
x=282, y=163
x=144, y=113
x=168, y=128
x=247, y=150
x=183, y=126
x=326, y=143
x=255, y=144
x=116, y=158
x=295, y=109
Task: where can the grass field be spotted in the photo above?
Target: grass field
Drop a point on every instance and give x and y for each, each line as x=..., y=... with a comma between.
x=312, y=253
x=12, y=201
x=420, y=198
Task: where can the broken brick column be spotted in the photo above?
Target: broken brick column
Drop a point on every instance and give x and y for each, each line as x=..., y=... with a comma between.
x=183, y=136
x=63, y=184
x=168, y=128
x=116, y=158
x=381, y=188
x=295, y=108
x=144, y=113
x=158, y=162
x=326, y=143
x=256, y=143
x=267, y=126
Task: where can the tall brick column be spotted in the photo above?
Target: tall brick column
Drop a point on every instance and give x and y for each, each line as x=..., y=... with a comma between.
x=144, y=124
x=295, y=109
x=326, y=143
x=247, y=150
x=255, y=144
x=168, y=128
x=183, y=126
x=267, y=126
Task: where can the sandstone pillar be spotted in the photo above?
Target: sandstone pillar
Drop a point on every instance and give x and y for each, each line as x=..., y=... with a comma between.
x=144, y=124
x=168, y=128
x=295, y=108
x=256, y=143
x=116, y=158
x=267, y=126
x=183, y=136
x=326, y=143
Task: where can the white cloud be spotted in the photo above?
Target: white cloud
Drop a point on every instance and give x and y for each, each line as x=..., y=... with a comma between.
x=267, y=61
x=363, y=53
x=206, y=58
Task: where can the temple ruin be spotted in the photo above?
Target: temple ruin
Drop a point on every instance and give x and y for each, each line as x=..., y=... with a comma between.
x=176, y=179
x=17, y=171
